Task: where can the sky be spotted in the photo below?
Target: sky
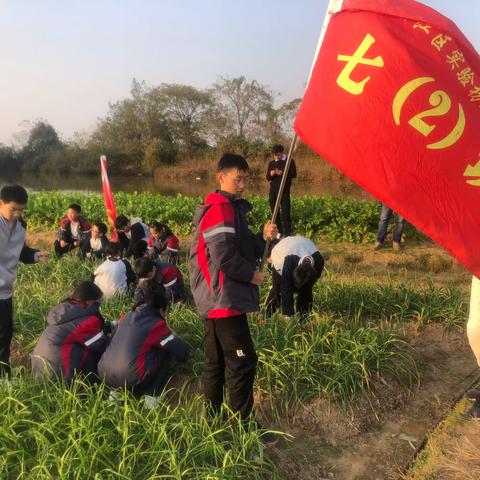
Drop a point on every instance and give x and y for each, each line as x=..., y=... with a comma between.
x=65, y=60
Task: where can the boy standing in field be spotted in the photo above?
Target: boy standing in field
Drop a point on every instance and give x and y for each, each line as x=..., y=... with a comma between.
x=13, y=200
x=224, y=280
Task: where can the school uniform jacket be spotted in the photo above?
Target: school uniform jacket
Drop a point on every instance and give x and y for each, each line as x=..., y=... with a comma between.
x=133, y=353
x=167, y=246
x=168, y=279
x=65, y=230
x=73, y=341
x=224, y=257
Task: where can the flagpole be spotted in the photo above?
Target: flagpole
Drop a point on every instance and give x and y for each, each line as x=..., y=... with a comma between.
x=334, y=6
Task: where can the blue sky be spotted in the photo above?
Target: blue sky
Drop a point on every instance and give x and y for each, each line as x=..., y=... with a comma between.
x=64, y=61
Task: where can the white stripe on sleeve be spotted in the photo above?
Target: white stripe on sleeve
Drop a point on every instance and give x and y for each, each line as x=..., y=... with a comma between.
x=217, y=230
x=172, y=249
x=98, y=336
x=169, y=284
x=166, y=340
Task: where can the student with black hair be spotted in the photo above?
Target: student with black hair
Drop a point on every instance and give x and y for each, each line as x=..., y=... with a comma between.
x=95, y=247
x=154, y=275
x=74, y=231
x=163, y=243
x=115, y=274
x=133, y=235
x=296, y=266
x=13, y=201
x=75, y=337
x=139, y=355
x=274, y=176
x=224, y=280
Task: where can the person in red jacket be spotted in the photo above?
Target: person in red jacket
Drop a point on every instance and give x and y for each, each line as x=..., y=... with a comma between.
x=74, y=231
x=224, y=280
x=163, y=243
x=75, y=338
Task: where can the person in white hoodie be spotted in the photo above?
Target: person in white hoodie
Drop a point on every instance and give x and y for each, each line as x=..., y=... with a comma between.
x=13, y=200
x=115, y=274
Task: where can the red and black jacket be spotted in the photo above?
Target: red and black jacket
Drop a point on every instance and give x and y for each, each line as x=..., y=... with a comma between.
x=165, y=245
x=135, y=350
x=65, y=230
x=224, y=257
x=73, y=341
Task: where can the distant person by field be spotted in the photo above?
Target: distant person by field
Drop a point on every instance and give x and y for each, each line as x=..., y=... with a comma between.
x=95, y=247
x=163, y=243
x=296, y=266
x=140, y=353
x=224, y=280
x=115, y=274
x=275, y=171
x=13, y=201
x=385, y=217
x=75, y=337
x=133, y=235
x=74, y=231
x=154, y=275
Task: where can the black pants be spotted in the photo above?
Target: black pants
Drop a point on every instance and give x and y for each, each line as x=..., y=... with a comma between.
x=230, y=359
x=304, y=302
x=6, y=333
x=154, y=383
x=59, y=251
x=283, y=221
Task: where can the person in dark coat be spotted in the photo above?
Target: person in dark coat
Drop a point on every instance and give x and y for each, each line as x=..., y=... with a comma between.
x=274, y=176
x=296, y=266
x=158, y=276
x=133, y=234
x=13, y=201
x=163, y=243
x=224, y=280
x=96, y=246
x=139, y=355
x=74, y=231
x=75, y=337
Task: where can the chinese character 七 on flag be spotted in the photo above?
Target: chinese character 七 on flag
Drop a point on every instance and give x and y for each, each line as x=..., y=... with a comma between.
x=394, y=102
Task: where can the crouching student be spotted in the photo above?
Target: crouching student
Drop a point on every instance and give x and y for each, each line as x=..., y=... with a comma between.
x=133, y=235
x=74, y=231
x=154, y=275
x=163, y=243
x=296, y=266
x=115, y=275
x=140, y=352
x=75, y=338
x=95, y=247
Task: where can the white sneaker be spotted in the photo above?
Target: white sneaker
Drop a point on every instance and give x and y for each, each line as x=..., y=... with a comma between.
x=151, y=402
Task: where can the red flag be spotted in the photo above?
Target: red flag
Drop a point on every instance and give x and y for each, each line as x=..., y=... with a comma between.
x=394, y=102
x=108, y=196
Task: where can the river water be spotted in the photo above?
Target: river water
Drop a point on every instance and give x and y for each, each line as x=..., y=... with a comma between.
x=191, y=186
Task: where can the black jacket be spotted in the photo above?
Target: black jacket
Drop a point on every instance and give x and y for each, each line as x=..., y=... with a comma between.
x=275, y=180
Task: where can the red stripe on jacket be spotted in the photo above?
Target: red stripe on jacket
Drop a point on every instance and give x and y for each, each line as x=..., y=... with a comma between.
x=152, y=340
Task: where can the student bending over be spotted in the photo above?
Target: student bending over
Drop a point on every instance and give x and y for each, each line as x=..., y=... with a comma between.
x=141, y=349
x=75, y=338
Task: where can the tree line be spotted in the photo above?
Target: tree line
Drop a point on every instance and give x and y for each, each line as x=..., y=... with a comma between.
x=159, y=125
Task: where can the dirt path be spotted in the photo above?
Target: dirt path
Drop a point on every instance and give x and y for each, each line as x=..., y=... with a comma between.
x=328, y=444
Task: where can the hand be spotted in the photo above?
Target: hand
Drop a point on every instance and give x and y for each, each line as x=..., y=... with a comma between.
x=270, y=231
x=258, y=278
x=76, y=244
x=273, y=172
x=279, y=172
x=63, y=243
x=42, y=256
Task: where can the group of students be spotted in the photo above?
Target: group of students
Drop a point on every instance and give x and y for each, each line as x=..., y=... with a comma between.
x=224, y=280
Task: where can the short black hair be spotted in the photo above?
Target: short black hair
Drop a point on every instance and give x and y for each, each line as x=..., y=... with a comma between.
x=304, y=272
x=155, y=298
x=157, y=226
x=86, y=291
x=278, y=148
x=101, y=227
x=113, y=249
x=143, y=266
x=75, y=206
x=231, y=161
x=14, y=193
x=121, y=222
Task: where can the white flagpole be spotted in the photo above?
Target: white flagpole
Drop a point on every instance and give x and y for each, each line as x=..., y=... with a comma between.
x=334, y=6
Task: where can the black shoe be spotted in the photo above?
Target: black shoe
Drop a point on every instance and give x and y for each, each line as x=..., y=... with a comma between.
x=269, y=439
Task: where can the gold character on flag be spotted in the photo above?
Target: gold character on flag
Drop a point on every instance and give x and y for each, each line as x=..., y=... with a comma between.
x=425, y=28
x=344, y=80
x=465, y=77
x=440, y=41
x=473, y=171
x=474, y=94
x=441, y=103
x=455, y=59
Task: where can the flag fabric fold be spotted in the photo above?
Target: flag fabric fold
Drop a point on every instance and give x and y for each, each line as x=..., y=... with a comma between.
x=108, y=197
x=394, y=102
